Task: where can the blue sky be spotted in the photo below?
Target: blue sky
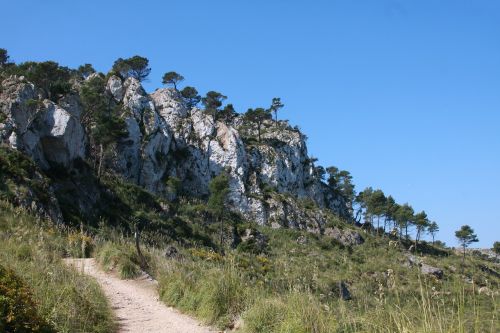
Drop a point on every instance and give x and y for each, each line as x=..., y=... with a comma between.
x=403, y=94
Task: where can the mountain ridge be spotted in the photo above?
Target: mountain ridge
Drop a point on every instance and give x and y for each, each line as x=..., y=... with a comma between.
x=166, y=139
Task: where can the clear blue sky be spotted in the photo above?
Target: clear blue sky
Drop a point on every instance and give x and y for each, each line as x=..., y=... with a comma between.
x=403, y=94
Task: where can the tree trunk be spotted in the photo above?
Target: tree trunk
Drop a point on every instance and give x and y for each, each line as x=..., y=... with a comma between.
x=463, y=258
x=417, y=236
x=378, y=224
x=101, y=157
x=221, y=221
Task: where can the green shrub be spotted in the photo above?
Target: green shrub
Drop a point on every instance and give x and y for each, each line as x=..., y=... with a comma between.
x=120, y=257
x=128, y=269
x=67, y=300
x=18, y=310
x=296, y=312
x=217, y=295
x=264, y=316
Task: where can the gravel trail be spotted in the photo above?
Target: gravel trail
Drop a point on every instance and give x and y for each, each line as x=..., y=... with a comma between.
x=136, y=305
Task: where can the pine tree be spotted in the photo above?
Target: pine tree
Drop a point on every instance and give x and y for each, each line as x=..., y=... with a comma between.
x=219, y=189
x=212, y=103
x=258, y=116
x=172, y=78
x=465, y=237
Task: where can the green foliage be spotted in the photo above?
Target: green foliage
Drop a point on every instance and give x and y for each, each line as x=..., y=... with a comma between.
x=294, y=289
x=496, y=248
x=295, y=312
x=49, y=76
x=212, y=103
x=174, y=186
x=136, y=67
x=215, y=295
x=110, y=127
x=265, y=315
x=404, y=216
x=341, y=182
x=126, y=202
x=84, y=71
x=18, y=310
x=64, y=298
x=4, y=58
x=466, y=236
x=219, y=189
x=421, y=223
x=276, y=105
x=227, y=114
x=433, y=229
x=257, y=117
x=104, y=120
x=172, y=78
x=19, y=177
x=100, y=118
x=190, y=96
x=94, y=100
x=121, y=258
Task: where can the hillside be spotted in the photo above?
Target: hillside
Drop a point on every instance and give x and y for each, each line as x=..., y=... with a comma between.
x=229, y=213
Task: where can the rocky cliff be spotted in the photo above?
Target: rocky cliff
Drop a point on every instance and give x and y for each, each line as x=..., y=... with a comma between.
x=270, y=181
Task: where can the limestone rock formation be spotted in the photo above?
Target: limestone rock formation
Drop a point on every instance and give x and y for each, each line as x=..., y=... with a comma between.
x=271, y=182
x=47, y=132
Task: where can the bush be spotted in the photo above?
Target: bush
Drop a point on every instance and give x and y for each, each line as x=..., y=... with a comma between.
x=264, y=316
x=18, y=311
x=120, y=257
x=296, y=312
x=67, y=300
x=216, y=295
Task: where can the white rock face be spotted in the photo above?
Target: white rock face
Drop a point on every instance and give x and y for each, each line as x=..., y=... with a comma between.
x=61, y=135
x=44, y=130
x=268, y=180
x=115, y=87
x=141, y=157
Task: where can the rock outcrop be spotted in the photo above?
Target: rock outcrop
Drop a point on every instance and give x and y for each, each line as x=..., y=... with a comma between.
x=424, y=268
x=271, y=182
x=47, y=132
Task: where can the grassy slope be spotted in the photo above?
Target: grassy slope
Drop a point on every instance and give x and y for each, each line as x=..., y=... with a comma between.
x=33, y=250
x=294, y=287
x=288, y=287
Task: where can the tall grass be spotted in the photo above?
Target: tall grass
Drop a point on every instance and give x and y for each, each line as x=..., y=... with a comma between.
x=121, y=258
x=66, y=299
x=294, y=287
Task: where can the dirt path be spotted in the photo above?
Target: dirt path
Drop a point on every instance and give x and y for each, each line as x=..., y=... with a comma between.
x=136, y=305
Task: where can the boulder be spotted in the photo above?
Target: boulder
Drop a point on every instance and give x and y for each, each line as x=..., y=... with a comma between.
x=347, y=237
x=430, y=270
x=344, y=292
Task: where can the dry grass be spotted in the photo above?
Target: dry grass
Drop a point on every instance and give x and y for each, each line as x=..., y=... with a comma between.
x=33, y=250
